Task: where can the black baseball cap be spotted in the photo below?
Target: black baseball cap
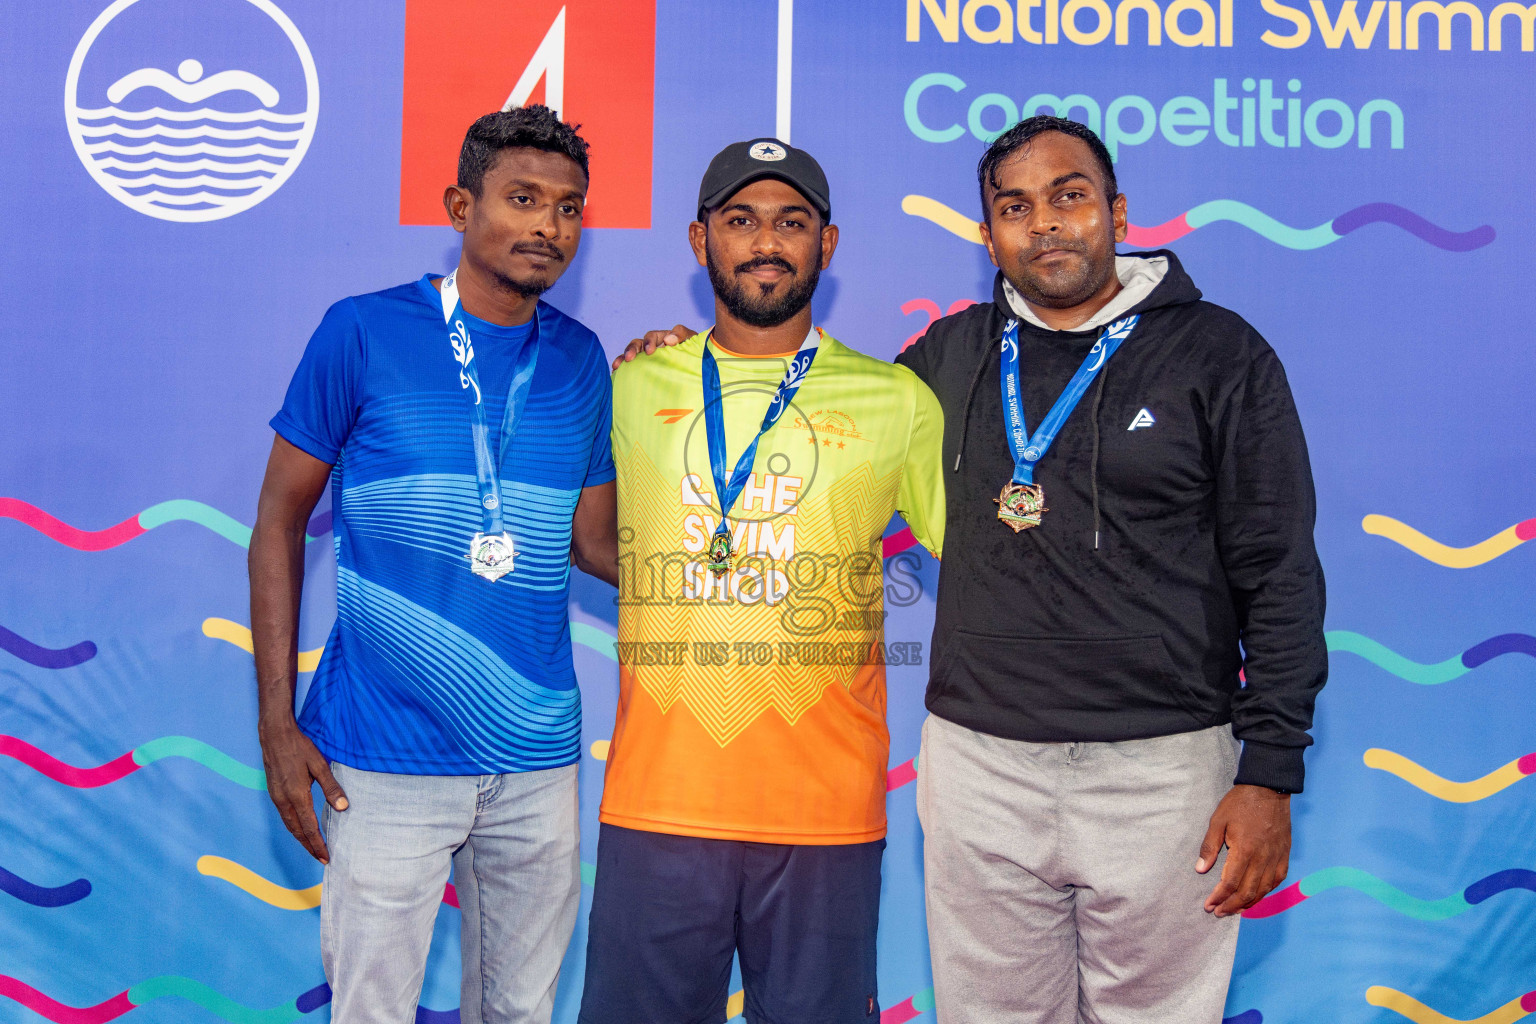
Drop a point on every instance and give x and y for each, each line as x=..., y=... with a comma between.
x=742, y=163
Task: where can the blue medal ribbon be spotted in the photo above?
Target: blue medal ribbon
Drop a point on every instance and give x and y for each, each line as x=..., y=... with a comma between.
x=487, y=466
x=728, y=489
x=1028, y=448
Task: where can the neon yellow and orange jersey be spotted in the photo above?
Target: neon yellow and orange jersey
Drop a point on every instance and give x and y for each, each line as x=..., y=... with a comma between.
x=752, y=706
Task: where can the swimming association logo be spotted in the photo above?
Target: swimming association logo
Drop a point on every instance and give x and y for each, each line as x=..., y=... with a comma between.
x=197, y=123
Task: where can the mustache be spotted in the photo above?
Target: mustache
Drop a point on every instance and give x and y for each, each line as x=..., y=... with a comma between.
x=536, y=249
x=1045, y=245
x=766, y=261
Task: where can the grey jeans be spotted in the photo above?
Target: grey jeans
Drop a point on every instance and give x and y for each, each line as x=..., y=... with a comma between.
x=1061, y=881
x=513, y=843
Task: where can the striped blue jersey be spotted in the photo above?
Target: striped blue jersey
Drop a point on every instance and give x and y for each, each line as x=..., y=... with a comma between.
x=429, y=669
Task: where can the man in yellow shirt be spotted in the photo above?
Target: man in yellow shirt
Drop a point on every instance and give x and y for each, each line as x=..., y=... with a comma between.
x=758, y=466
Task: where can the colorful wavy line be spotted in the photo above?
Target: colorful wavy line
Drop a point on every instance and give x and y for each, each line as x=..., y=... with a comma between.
x=45, y=657
x=209, y=999
x=234, y=633
x=1319, y=882
x=1384, y=657
x=177, y=510
x=272, y=894
x=1254, y=220
x=1407, y=1006
x=145, y=754
x=1501, y=543
x=43, y=895
x=1444, y=789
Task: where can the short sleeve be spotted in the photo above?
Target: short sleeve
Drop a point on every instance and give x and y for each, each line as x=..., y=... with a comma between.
x=600, y=467
x=920, y=499
x=321, y=405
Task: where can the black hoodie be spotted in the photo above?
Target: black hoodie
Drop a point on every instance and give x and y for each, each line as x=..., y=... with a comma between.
x=1173, y=555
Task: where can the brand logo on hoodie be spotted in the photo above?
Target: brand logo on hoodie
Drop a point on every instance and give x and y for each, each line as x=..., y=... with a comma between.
x=1143, y=419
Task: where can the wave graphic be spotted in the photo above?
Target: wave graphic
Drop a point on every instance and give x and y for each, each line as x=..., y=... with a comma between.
x=176, y=510
x=210, y=999
x=1253, y=219
x=1501, y=543
x=191, y=87
x=145, y=754
x=45, y=657
x=1407, y=1006
x=1319, y=882
x=1385, y=658
x=272, y=894
x=44, y=895
x=1422, y=778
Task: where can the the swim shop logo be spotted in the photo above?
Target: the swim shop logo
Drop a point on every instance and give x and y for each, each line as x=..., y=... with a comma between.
x=191, y=110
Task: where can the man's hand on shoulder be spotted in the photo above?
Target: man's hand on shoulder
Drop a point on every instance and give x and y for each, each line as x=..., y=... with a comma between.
x=652, y=341
x=1254, y=823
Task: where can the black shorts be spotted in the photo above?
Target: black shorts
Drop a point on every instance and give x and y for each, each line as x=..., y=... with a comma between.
x=668, y=913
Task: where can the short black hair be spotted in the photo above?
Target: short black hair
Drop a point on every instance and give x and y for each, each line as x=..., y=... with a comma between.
x=534, y=126
x=1020, y=134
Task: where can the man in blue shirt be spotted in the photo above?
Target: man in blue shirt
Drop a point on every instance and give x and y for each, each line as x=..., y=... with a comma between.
x=463, y=426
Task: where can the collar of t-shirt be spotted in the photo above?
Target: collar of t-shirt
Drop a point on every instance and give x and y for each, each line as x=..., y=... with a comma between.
x=1138, y=275
x=478, y=328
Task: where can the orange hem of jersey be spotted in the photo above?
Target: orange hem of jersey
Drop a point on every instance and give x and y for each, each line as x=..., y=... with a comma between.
x=743, y=835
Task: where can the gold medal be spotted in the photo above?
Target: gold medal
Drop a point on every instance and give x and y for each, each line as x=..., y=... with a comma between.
x=1021, y=505
x=719, y=554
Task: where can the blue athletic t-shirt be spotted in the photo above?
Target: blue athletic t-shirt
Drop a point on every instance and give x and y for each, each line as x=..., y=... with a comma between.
x=429, y=669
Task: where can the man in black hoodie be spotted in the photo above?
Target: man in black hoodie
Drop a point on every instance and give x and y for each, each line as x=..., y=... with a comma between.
x=1089, y=649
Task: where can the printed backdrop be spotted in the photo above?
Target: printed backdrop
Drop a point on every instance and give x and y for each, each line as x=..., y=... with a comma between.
x=189, y=183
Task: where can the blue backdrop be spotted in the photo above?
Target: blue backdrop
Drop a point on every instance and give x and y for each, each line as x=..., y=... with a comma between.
x=168, y=258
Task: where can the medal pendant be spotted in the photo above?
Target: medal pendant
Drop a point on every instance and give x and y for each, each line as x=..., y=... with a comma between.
x=719, y=554
x=491, y=555
x=1021, y=505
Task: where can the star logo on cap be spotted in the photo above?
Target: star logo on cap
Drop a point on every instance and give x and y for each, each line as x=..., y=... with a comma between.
x=767, y=151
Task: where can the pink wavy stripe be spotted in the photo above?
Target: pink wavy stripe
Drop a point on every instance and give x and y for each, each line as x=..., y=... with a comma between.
x=56, y=1011
x=897, y=542
x=1527, y=764
x=1155, y=237
x=1276, y=902
x=450, y=895
x=1526, y=530
x=68, y=774
x=80, y=540
x=900, y=1013
x=900, y=776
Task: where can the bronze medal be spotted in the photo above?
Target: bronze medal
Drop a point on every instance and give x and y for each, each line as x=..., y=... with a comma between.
x=1021, y=505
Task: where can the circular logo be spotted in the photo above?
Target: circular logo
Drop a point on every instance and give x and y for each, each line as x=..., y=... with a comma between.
x=181, y=138
x=490, y=501
x=1032, y=453
x=767, y=151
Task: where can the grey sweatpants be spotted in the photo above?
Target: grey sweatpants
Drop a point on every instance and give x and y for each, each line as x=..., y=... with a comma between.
x=1061, y=879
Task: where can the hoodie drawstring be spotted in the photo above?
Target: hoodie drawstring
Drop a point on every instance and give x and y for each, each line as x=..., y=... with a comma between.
x=970, y=394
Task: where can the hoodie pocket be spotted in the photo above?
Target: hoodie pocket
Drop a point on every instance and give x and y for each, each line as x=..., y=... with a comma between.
x=1050, y=676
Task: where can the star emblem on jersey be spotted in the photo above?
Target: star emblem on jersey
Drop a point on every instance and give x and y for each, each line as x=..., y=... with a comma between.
x=767, y=151
x=1142, y=419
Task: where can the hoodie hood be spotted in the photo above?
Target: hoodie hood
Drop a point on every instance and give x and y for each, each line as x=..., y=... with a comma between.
x=1148, y=280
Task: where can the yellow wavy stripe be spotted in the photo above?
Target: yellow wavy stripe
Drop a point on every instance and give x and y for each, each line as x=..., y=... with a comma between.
x=957, y=224
x=242, y=877
x=1444, y=789
x=1398, y=1002
x=599, y=749
x=1501, y=543
x=735, y=1004
x=234, y=633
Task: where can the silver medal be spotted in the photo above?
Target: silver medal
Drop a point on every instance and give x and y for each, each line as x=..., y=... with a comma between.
x=491, y=555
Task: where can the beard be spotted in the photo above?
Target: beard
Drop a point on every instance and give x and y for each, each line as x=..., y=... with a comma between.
x=535, y=284
x=1066, y=286
x=757, y=304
